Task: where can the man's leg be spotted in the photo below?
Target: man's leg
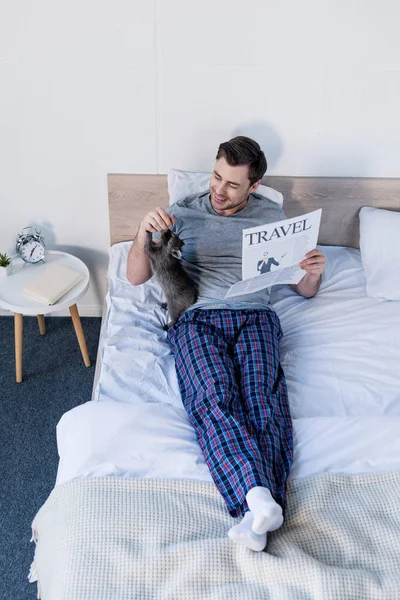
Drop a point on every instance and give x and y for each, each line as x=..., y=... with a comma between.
x=264, y=392
x=202, y=342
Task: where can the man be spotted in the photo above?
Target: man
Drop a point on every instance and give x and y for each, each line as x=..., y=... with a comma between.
x=227, y=350
x=264, y=265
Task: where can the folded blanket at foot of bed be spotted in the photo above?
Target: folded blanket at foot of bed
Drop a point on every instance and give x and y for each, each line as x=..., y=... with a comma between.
x=119, y=539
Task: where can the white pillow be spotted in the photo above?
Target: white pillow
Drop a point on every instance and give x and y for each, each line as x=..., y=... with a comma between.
x=185, y=183
x=380, y=252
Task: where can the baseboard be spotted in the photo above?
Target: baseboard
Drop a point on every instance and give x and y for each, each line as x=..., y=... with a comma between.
x=84, y=311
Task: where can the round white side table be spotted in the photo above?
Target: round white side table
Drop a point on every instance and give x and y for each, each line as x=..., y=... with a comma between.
x=13, y=299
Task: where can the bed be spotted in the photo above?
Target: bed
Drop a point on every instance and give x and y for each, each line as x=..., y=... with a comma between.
x=134, y=512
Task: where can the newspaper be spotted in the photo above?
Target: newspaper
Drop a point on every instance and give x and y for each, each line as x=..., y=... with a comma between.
x=271, y=253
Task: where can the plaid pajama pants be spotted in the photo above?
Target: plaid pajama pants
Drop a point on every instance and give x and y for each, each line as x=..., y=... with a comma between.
x=234, y=391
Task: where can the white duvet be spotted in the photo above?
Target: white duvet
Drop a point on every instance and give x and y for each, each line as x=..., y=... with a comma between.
x=340, y=353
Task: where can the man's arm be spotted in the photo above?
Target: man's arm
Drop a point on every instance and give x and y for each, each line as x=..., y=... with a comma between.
x=138, y=268
x=314, y=264
x=308, y=286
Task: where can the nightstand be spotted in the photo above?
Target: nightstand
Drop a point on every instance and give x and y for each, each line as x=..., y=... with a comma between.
x=13, y=299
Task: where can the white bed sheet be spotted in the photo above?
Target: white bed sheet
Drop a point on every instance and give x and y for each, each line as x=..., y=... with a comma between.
x=340, y=353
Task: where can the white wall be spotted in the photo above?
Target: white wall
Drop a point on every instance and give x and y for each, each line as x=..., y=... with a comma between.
x=93, y=87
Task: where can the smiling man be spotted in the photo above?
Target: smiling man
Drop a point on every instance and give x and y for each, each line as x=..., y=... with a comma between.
x=227, y=350
x=229, y=186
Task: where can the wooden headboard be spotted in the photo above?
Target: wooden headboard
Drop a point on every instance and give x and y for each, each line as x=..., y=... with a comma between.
x=130, y=197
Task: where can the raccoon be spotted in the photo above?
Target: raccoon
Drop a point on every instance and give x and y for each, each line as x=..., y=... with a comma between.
x=179, y=289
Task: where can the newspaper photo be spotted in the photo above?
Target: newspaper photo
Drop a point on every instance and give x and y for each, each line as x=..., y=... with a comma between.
x=271, y=253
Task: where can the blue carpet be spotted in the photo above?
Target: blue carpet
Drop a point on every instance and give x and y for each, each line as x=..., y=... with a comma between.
x=55, y=380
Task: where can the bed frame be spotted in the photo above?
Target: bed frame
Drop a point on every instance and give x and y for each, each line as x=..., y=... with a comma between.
x=132, y=196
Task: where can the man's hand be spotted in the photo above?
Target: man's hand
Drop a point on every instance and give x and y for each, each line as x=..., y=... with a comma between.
x=314, y=262
x=156, y=220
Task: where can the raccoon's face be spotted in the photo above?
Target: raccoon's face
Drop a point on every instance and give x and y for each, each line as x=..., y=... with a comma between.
x=173, y=242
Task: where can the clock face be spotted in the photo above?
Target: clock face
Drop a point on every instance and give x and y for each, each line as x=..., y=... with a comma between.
x=32, y=251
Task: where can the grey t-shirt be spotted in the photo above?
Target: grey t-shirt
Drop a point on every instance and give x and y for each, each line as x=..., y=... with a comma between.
x=212, y=250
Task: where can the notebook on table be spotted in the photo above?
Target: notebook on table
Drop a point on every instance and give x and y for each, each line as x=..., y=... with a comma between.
x=52, y=283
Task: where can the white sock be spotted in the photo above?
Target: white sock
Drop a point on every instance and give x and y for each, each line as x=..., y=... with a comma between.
x=244, y=535
x=267, y=513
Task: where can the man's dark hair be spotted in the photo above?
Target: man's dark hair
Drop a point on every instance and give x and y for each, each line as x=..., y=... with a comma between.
x=242, y=150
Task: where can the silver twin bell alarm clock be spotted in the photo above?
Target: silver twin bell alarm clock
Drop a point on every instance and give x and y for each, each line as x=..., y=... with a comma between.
x=30, y=245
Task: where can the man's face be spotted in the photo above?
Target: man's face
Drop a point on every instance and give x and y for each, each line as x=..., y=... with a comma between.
x=230, y=187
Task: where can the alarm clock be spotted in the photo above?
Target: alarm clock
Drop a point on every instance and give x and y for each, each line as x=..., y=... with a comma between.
x=30, y=245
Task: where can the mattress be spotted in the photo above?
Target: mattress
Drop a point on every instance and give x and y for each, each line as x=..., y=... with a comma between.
x=340, y=353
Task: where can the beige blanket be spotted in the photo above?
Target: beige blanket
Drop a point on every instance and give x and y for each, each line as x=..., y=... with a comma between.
x=123, y=539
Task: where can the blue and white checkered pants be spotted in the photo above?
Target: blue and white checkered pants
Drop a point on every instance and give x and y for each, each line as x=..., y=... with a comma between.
x=234, y=391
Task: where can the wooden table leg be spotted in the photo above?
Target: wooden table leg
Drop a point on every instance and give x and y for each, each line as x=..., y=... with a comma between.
x=42, y=326
x=18, y=326
x=79, y=334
